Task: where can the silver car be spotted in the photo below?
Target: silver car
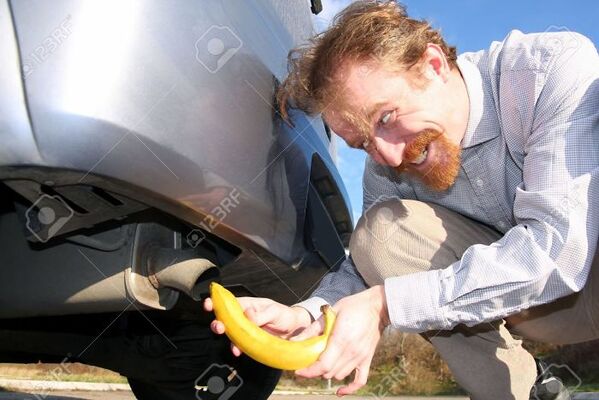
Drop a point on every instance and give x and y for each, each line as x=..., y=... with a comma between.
x=142, y=157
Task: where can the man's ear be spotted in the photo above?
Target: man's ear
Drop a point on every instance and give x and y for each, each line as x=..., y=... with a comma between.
x=434, y=63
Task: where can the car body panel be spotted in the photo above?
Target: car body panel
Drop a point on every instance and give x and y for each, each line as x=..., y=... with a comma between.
x=15, y=130
x=126, y=126
x=135, y=80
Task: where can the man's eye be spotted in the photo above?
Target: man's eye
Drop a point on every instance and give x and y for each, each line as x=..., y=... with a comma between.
x=385, y=118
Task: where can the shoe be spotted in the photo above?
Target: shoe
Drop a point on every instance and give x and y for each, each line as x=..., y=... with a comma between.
x=547, y=386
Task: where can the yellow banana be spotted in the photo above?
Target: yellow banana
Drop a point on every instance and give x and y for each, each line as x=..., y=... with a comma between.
x=261, y=345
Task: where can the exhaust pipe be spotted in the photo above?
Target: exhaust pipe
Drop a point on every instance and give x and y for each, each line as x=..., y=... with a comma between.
x=165, y=273
x=145, y=263
x=190, y=276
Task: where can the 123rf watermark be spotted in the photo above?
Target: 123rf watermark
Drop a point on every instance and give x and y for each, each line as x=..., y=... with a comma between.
x=216, y=216
x=216, y=47
x=57, y=374
x=47, y=216
x=380, y=218
x=48, y=46
x=383, y=389
x=218, y=381
x=556, y=379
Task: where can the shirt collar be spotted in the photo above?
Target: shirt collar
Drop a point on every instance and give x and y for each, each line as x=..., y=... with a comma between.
x=476, y=96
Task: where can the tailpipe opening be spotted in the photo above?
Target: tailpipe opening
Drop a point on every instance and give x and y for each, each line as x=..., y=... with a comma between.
x=191, y=277
x=164, y=274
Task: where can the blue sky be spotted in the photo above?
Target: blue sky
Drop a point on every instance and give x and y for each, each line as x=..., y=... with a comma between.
x=471, y=25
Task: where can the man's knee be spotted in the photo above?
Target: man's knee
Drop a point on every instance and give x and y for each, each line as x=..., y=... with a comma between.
x=396, y=237
x=399, y=237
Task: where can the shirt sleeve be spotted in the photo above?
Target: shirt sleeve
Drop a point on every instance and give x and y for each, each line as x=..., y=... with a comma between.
x=548, y=254
x=346, y=280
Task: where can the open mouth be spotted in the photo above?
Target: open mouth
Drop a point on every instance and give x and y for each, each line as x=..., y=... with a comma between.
x=421, y=158
x=433, y=159
x=420, y=152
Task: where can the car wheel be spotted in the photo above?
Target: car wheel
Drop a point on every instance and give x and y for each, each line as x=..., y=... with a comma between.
x=233, y=378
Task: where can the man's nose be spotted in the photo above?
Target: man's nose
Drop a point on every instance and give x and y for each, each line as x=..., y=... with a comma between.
x=390, y=153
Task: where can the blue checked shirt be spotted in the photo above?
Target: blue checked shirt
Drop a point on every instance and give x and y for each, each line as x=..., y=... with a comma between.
x=530, y=169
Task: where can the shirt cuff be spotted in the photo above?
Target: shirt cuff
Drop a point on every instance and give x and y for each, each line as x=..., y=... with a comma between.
x=413, y=302
x=312, y=305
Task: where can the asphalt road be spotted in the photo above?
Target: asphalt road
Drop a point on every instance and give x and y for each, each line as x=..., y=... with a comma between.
x=128, y=396
x=125, y=395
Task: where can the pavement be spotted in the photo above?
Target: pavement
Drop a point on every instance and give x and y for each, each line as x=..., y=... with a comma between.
x=119, y=395
x=126, y=395
x=67, y=395
x=52, y=390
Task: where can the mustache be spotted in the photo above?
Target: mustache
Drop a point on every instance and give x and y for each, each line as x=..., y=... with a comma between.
x=417, y=146
x=444, y=167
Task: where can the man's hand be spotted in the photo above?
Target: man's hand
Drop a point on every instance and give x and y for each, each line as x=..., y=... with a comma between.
x=276, y=318
x=361, y=319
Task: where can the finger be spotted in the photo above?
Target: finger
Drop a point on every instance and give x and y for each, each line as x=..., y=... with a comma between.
x=360, y=379
x=261, y=315
x=217, y=327
x=208, y=304
x=344, y=368
x=258, y=302
x=328, y=360
x=314, y=329
x=235, y=350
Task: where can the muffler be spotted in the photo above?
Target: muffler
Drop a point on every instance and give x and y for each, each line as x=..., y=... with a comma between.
x=151, y=267
x=161, y=270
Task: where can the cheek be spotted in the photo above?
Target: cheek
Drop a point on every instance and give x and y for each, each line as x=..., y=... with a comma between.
x=410, y=125
x=408, y=130
x=398, y=132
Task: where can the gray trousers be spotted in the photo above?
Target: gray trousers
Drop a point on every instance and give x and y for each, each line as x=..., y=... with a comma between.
x=486, y=360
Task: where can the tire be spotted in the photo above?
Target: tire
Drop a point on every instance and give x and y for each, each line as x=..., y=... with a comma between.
x=252, y=380
x=193, y=355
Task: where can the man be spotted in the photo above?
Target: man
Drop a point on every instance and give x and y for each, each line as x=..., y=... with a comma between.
x=480, y=194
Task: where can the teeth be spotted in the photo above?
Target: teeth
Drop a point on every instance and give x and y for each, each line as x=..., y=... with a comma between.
x=420, y=158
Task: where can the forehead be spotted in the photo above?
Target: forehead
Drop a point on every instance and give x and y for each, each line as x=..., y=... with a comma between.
x=368, y=81
x=363, y=88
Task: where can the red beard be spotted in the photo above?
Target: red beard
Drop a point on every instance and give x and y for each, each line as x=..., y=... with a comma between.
x=444, y=162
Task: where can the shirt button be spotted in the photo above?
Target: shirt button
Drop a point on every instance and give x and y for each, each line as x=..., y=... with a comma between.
x=502, y=224
x=480, y=182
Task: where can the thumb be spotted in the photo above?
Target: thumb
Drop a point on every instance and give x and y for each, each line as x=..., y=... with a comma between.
x=314, y=329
